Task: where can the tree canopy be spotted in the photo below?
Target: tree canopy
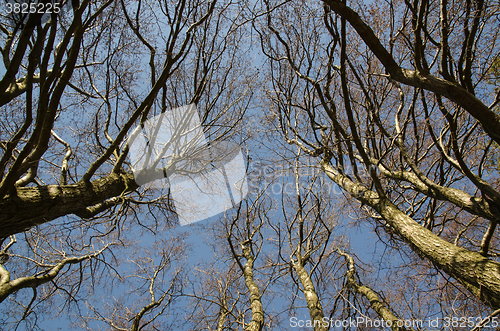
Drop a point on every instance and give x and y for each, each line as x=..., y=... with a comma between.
x=356, y=119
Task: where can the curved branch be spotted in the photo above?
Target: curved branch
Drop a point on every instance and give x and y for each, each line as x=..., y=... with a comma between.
x=375, y=302
x=30, y=206
x=7, y=287
x=481, y=276
x=490, y=121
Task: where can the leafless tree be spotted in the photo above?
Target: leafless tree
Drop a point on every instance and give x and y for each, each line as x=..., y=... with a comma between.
x=309, y=230
x=393, y=100
x=158, y=278
x=394, y=104
x=228, y=291
x=75, y=85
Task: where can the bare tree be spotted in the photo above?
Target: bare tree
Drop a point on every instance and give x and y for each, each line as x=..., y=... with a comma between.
x=112, y=93
x=216, y=299
x=75, y=85
x=249, y=238
x=396, y=103
x=229, y=295
x=309, y=230
x=392, y=100
x=375, y=302
x=158, y=278
x=299, y=240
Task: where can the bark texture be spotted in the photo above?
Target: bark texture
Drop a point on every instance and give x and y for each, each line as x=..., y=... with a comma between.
x=375, y=302
x=313, y=302
x=490, y=121
x=27, y=207
x=257, y=321
x=477, y=273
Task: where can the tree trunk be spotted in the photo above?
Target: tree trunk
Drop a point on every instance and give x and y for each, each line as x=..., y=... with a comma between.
x=31, y=206
x=257, y=321
x=375, y=303
x=478, y=274
x=313, y=302
x=490, y=121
